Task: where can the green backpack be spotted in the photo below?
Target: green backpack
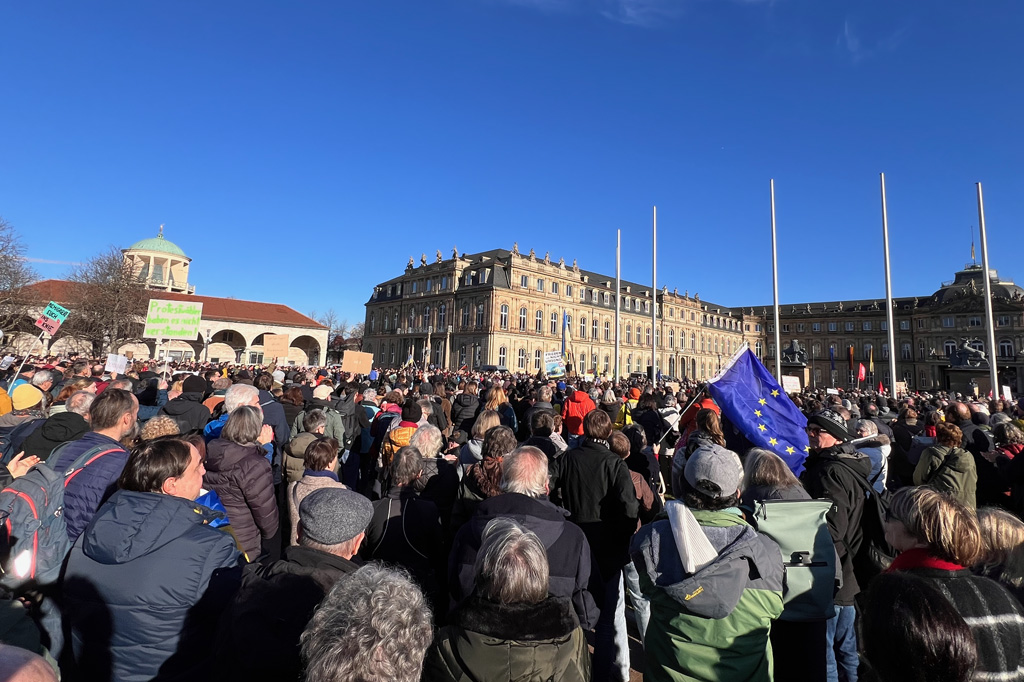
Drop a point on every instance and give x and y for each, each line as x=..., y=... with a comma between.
x=799, y=528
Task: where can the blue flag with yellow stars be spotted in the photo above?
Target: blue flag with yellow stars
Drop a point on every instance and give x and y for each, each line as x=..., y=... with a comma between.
x=754, y=402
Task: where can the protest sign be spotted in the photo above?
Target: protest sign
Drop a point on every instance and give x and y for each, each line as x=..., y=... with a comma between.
x=6, y=362
x=116, y=363
x=1007, y=394
x=173, y=320
x=554, y=363
x=275, y=346
x=832, y=391
x=790, y=384
x=52, y=318
x=356, y=362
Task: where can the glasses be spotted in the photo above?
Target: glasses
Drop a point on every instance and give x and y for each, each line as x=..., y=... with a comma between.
x=812, y=430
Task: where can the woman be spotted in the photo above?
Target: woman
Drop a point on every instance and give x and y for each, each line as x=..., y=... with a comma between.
x=1001, y=533
x=923, y=440
x=498, y=401
x=73, y=386
x=947, y=467
x=708, y=429
x=320, y=461
x=767, y=477
x=292, y=402
x=240, y=473
x=1009, y=442
x=465, y=407
x=641, y=456
x=483, y=479
x=146, y=581
x=646, y=415
x=610, y=404
x=937, y=538
x=472, y=451
x=877, y=447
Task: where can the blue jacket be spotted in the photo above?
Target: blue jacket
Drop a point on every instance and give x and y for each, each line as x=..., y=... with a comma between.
x=145, y=564
x=91, y=487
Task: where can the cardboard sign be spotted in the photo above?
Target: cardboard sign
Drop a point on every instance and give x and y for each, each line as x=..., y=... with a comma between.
x=790, y=384
x=116, y=363
x=356, y=362
x=172, y=320
x=554, y=363
x=674, y=385
x=1007, y=394
x=275, y=346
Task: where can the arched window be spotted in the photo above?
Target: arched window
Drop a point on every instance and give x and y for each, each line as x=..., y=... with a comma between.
x=583, y=328
x=554, y=322
x=906, y=351
x=758, y=348
x=412, y=317
x=521, y=358
x=426, y=316
x=607, y=363
x=539, y=322
x=373, y=322
x=867, y=351
x=504, y=316
x=522, y=319
x=502, y=356
x=949, y=347
x=671, y=366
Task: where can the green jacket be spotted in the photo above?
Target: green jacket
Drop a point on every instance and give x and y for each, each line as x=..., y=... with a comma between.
x=490, y=642
x=950, y=470
x=714, y=624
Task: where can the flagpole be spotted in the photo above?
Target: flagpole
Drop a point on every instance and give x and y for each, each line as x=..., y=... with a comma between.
x=654, y=300
x=994, y=373
x=618, y=297
x=888, y=294
x=775, y=290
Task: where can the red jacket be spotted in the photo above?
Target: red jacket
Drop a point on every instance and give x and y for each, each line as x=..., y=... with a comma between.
x=574, y=410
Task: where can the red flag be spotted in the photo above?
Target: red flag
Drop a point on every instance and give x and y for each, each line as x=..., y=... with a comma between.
x=880, y=388
x=861, y=372
x=849, y=356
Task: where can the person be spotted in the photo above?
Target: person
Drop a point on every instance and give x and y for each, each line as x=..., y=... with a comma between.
x=439, y=479
x=541, y=403
x=146, y=581
x=292, y=403
x=904, y=429
x=374, y=626
x=625, y=414
x=877, y=447
x=831, y=471
x=1002, y=535
x=577, y=405
x=511, y=627
x=975, y=439
x=237, y=470
x=483, y=479
x=320, y=462
x=610, y=403
x=70, y=388
x=947, y=467
x=524, y=498
x=542, y=424
x=714, y=583
x=27, y=405
x=236, y=396
x=595, y=488
x=471, y=452
x=399, y=436
x=70, y=424
x=498, y=401
x=910, y=631
x=220, y=388
x=112, y=416
x=937, y=537
x=647, y=416
x=314, y=422
x=465, y=408
x=707, y=428
x=187, y=409
x=322, y=401
x=642, y=457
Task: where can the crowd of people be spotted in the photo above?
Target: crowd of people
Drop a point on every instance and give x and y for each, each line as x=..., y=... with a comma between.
x=215, y=521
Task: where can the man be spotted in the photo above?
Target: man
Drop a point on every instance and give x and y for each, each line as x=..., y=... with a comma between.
x=870, y=412
x=273, y=410
x=234, y=397
x=710, y=617
x=832, y=469
x=61, y=427
x=577, y=405
x=260, y=632
x=524, y=498
x=146, y=412
x=975, y=439
x=112, y=417
x=188, y=409
x=542, y=401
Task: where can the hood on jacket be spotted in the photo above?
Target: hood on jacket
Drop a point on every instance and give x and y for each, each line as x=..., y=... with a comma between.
x=465, y=400
x=131, y=525
x=184, y=403
x=545, y=519
x=956, y=459
x=64, y=426
x=845, y=453
x=578, y=397
x=877, y=441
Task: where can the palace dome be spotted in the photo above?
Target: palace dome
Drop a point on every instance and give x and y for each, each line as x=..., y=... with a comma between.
x=157, y=243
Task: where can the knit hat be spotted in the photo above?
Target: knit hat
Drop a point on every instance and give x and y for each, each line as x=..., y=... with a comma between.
x=278, y=376
x=560, y=385
x=193, y=384
x=26, y=396
x=330, y=516
x=322, y=392
x=634, y=393
x=832, y=422
x=411, y=411
x=713, y=471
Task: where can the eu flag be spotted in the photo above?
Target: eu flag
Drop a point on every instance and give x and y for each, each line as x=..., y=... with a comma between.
x=754, y=402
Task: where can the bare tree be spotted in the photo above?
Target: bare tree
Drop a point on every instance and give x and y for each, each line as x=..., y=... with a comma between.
x=357, y=331
x=15, y=274
x=109, y=306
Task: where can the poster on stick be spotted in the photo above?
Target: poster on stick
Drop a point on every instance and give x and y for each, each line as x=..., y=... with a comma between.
x=52, y=318
x=116, y=363
x=790, y=384
x=356, y=362
x=554, y=364
x=275, y=346
x=173, y=320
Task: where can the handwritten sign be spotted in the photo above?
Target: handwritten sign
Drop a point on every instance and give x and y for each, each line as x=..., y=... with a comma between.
x=6, y=362
x=52, y=318
x=356, y=362
x=116, y=363
x=173, y=320
x=790, y=384
x=275, y=345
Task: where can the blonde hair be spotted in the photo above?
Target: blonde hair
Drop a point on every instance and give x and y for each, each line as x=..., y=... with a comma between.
x=1001, y=532
x=765, y=468
x=158, y=426
x=485, y=421
x=946, y=525
x=496, y=398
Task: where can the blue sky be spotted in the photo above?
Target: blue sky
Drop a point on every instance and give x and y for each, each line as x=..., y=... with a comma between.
x=301, y=152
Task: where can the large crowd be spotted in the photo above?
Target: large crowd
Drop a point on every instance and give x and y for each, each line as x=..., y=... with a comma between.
x=218, y=522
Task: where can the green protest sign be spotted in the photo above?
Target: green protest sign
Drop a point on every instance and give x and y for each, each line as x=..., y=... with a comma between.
x=172, y=320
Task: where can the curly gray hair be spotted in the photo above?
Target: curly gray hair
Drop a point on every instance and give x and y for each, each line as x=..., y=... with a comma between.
x=428, y=440
x=374, y=626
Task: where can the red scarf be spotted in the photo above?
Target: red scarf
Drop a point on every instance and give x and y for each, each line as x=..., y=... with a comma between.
x=920, y=557
x=929, y=431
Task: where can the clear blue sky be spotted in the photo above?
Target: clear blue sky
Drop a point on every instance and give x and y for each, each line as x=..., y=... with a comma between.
x=301, y=152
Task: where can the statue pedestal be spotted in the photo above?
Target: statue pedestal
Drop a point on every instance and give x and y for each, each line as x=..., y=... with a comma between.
x=795, y=369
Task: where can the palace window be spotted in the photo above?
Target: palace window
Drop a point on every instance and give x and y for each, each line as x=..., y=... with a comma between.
x=504, y=316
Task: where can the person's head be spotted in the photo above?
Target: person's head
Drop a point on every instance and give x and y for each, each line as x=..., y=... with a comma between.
x=373, y=626
x=75, y=385
x=949, y=435
x=543, y=394
x=167, y=465
x=512, y=564
x=426, y=408
x=411, y=411
x=471, y=388
x=243, y=425
x=710, y=423
x=114, y=412
x=865, y=428
x=910, y=632
x=525, y=471
x=908, y=415
x=647, y=402
x=428, y=440
x=541, y=423
x=321, y=455
x=496, y=398
x=406, y=465
x=80, y=402
x=243, y=394
x=334, y=520
x=26, y=397
x=957, y=412
x=711, y=478
x=763, y=468
x=826, y=429
x=158, y=427
x=485, y=421
x=80, y=368
x=634, y=433
x=394, y=397
x=1007, y=433
x=1001, y=533
x=597, y=425
x=609, y=397
x=618, y=443
x=322, y=392
x=370, y=395
x=222, y=384
x=498, y=442
x=291, y=396
x=314, y=421
x=43, y=380
x=921, y=517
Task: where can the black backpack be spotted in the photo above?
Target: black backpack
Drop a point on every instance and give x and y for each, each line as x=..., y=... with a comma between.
x=13, y=437
x=875, y=553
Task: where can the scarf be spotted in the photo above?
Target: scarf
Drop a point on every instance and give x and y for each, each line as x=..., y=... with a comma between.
x=921, y=557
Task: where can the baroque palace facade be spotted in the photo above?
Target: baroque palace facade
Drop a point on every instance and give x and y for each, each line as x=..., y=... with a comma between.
x=504, y=308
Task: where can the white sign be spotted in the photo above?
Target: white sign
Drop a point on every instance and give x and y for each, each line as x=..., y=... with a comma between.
x=116, y=363
x=1007, y=395
x=790, y=384
x=554, y=364
x=832, y=391
x=6, y=362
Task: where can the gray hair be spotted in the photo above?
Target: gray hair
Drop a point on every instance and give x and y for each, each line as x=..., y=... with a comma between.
x=124, y=384
x=998, y=418
x=41, y=377
x=428, y=440
x=595, y=394
x=244, y=425
x=80, y=402
x=313, y=420
x=373, y=626
x=525, y=471
x=609, y=396
x=670, y=400
x=867, y=426
x=426, y=407
x=512, y=565
x=406, y=465
x=238, y=395
x=544, y=394
x=370, y=394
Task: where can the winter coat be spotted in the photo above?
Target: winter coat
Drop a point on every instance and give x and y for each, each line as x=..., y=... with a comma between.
x=528, y=415
x=5, y=402
x=760, y=493
x=598, y=493
x=507, y=415
x=143, y=587
x=294, y=456
x=188, y=412
x=490, y=642
x=465, y=408
x=439, y=483
x=574, y=409
x=569, y=557
x=335, y=427
x=91, y=487
x=59, y=428
x=297, y=492
x=652, y=423
x=950, y=470
x=830, y=474
x=713, y=624
x=976, y=440
x=394, y=440
x=242, y=477
x=273, y=414
x=290, y=413
x=470, y=454
x=877, y=448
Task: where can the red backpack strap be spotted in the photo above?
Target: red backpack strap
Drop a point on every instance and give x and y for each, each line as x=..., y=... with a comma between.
x=83, y=461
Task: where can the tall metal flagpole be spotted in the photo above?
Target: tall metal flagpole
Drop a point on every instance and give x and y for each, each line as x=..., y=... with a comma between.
x=618, y=296
x=654, y=301
x=994, y=374
x=775, y=290
x=888, y=294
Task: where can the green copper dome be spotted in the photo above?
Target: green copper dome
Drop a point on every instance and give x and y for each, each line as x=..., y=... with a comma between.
x=158, y=243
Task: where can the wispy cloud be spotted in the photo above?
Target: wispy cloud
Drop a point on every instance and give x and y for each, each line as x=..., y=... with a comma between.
x=641, y=13
x=849, y=41
x=47, y=261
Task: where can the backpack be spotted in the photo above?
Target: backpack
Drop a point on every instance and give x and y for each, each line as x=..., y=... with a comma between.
x=34, y=535
x=13, y=437
x=875, y=553
x=800, y=529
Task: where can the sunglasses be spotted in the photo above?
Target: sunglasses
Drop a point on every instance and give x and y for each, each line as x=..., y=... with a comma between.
x=812, y=430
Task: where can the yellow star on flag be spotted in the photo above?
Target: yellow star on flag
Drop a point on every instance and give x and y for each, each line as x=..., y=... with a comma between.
x=761, y=427
x=807, y=448
x=762, y=401
x=773, y=441
x=775, y=393
x=790, y=450
x=757, y=412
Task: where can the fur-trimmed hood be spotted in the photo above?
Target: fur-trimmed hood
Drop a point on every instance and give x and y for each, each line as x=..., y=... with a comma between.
x=551, y=619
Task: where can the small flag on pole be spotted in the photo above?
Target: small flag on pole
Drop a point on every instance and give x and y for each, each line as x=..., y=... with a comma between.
x=832, y=357
x=861, y=374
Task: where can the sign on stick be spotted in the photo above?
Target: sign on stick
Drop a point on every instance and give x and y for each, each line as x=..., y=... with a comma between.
x=52, y=318
x=554, y=363
x=790, y=384
x=275, y=346
x=357, y=362
x=173, y=320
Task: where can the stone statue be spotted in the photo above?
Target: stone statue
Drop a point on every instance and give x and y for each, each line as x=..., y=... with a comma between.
x=533, y=255
x=808, y=308
x=547, y=258
x=455, y=252
x=840, y=306
x=916, y=301
x=412, y=264
x=794, y=355
x=574, y=266
x=874, y=305
x=423, y=259
x=561, y=263
x=686, y=293
x=966, y=356
x=515, y=248
x=439, y=258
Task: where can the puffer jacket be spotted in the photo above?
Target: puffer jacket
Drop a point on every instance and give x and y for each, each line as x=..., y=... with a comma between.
x=242, y=477
x=950, y=470
x=294, y=456
x=574, y=409
x=878, y=449
x=465, y=408
x=188, y=412
x=395, y=439
x=163, y=548
x=713, y=624
x=527, y=642
x=91, y=487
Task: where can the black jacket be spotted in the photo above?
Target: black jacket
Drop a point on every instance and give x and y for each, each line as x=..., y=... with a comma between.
x=188, y=411
x=59, y=428
x=465, y=408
